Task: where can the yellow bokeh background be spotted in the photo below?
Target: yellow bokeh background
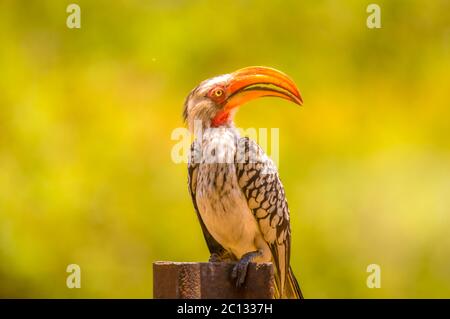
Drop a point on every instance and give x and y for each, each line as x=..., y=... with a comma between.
x=86, y=116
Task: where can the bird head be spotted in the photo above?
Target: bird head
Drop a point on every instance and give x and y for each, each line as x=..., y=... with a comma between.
x=215, y=101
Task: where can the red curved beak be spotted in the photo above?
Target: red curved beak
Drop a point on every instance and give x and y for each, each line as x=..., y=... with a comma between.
x=254, y=82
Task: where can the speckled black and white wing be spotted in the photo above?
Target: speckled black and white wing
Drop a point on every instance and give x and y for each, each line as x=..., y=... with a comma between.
x=259, y=181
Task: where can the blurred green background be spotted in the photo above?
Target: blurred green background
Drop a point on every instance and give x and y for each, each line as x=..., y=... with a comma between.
x=86, y=116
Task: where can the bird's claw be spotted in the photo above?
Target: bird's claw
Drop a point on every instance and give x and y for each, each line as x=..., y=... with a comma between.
x=240, y=272
x=240, y=269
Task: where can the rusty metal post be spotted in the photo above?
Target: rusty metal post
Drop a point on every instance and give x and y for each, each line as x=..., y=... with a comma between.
x=176, y=280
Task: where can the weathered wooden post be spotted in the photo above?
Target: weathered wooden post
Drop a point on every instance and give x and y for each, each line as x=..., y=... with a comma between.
x=178, y=280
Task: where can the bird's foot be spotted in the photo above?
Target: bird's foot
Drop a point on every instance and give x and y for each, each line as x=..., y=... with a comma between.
x=240, y=269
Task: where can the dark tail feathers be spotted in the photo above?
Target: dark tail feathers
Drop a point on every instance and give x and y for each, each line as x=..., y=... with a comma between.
x=292, y=289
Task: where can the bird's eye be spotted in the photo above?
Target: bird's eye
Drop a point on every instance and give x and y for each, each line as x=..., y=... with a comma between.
x=218, y=92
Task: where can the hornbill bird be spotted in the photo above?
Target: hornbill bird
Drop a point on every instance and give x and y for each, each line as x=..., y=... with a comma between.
x=235, y=187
